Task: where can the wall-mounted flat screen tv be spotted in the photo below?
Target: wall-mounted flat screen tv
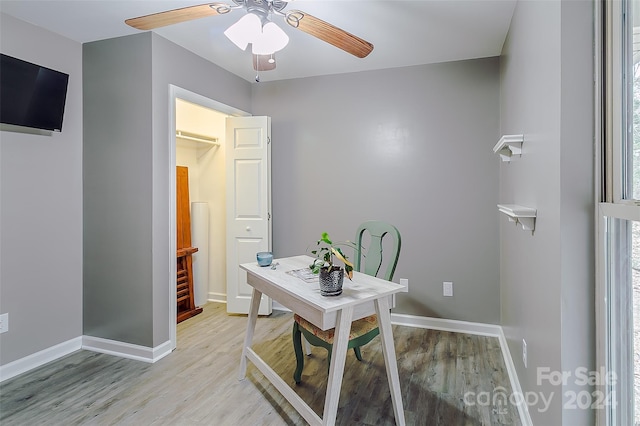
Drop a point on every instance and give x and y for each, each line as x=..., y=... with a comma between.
x=31, y=95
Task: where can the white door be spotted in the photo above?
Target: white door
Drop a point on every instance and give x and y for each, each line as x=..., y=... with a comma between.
x=248, y=173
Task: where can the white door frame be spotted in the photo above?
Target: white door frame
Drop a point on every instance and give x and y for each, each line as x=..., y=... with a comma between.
x=176, y=92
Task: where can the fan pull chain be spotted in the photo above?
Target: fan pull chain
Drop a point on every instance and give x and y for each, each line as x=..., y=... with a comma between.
x=257, y=69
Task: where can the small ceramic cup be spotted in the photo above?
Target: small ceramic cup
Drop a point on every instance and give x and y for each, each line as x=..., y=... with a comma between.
x=264, y=258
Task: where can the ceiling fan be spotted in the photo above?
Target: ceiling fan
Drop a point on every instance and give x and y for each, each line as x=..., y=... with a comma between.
x=256, y=27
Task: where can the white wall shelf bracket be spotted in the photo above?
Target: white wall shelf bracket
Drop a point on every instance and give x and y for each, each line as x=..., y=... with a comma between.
x=523, y=216
x=509, y=147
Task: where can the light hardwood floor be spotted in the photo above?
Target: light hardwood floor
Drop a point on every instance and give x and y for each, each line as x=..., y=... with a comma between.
x=197, y=384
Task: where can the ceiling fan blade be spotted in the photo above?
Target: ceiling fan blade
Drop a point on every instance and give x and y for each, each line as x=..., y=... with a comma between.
x=175, y=16
x=264, y=62
x=329, y=33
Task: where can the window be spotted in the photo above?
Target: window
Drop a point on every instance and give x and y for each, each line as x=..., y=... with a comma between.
x=619, y=212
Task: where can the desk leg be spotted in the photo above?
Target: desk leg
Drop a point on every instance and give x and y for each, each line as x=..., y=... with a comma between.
x=338, y=357
x=251, y=326
x=390, y=361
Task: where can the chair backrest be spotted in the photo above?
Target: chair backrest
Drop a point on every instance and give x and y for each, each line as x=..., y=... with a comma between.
x=369, y=259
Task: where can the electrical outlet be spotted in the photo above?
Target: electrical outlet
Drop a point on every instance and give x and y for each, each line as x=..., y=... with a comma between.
x=405, y=282
x=447, y=288
x=524, y=353
x=4, y=323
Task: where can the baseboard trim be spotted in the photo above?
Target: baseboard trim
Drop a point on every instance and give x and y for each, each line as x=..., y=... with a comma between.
x=217, y=297
x=455, y=326
x=278, y=307
x=523, y=409
x=126, y=350
x=37, y=359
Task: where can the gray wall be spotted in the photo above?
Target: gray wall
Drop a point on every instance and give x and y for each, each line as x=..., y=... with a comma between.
x=412, y=146
x=547, y=280
x=117, y=172
x=41, y=208
x=127, y=179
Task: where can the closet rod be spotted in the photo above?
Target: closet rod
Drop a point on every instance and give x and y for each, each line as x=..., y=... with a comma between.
x=197, y=138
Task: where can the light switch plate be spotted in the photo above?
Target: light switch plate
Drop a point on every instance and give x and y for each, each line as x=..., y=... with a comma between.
x=4, y=323
x=405, y=282
x=447, y=289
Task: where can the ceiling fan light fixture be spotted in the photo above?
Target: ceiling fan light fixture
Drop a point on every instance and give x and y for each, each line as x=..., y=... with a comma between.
x=245, y=31
x=272, y=39
x=256, y=28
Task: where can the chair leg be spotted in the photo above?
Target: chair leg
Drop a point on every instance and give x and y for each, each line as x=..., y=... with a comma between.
x=297, y=346
x=356, y=349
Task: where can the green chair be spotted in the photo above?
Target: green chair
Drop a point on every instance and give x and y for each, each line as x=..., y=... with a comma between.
x=370, y=263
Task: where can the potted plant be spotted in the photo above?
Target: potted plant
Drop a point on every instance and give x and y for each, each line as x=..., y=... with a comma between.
x=331, y=275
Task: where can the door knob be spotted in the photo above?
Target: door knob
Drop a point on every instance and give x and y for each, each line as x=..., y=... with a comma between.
x=248, y=228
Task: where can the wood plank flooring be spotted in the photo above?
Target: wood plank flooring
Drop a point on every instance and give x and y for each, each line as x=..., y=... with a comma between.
x=197, y=384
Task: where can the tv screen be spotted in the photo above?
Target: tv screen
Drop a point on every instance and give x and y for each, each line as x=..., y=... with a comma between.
x=31, y=95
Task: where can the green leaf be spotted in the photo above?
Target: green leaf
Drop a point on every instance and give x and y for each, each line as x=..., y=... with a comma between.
x=349, y=270
x=325, y=238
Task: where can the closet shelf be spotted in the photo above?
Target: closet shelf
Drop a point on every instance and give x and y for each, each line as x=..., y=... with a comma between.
x=524, y=216
x=509, y=146
x=202, y=143
x=194, y=137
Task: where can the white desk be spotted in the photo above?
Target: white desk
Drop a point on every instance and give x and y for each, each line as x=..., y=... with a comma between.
x=362, y=296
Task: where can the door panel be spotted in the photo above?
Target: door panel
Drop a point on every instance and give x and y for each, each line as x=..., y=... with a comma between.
x=248, y=155
x=247, y=176
x=246, y=248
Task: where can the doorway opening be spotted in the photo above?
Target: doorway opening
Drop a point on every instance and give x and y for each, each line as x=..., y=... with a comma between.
x=197, y=129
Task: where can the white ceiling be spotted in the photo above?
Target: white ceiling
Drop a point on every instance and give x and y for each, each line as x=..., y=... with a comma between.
x=403, y=33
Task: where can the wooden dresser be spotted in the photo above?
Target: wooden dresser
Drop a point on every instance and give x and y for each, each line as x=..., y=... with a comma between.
x=184, y=282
